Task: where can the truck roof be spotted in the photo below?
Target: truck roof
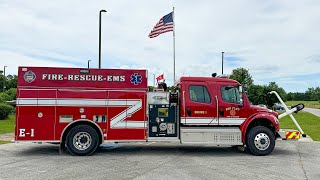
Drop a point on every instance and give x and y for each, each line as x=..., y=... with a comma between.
x=209, y=79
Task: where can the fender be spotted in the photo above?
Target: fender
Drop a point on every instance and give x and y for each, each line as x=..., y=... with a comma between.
x=78, y=121
x=260, y=116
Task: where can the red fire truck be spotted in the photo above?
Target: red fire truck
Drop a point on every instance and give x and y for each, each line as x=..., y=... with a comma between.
x=82, y=108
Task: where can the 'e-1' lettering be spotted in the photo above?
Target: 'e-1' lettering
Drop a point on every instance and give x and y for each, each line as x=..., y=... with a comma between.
x=23, y=133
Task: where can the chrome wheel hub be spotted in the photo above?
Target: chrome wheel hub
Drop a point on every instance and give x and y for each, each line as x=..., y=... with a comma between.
x=262, y=141
x=82, y=140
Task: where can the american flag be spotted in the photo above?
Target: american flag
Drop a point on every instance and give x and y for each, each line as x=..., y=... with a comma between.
x=164, y=25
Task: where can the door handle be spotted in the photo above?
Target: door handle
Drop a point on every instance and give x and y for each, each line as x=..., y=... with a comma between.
x=221, y=111
x=189, y=112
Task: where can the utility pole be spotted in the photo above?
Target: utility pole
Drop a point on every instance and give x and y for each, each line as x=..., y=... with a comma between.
x=5, y=78
x=222, y=61
x=89, y=64
x=100, y=37
x=154, y=80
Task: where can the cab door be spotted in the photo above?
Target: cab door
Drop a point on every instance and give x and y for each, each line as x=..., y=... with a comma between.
x=231, y=110
x=199, y=105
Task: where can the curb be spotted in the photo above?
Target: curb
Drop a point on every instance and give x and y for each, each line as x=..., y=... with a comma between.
x=305, y=139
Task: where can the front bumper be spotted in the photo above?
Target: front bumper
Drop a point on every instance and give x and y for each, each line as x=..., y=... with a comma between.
x=289, y=134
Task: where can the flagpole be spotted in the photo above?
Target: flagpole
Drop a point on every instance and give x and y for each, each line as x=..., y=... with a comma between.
x=174, y=49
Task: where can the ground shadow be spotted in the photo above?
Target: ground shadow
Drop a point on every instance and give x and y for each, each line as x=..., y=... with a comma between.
x=155, y=149
x=165, y=150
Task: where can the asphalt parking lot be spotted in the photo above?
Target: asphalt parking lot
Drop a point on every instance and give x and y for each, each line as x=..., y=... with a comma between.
x=289, y=160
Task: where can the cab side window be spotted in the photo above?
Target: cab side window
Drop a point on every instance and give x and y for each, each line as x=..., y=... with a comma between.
x=230, y=94
x=199, y=94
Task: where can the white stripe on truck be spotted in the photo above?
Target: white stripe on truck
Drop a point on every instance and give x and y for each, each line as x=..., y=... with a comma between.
x=134, y=105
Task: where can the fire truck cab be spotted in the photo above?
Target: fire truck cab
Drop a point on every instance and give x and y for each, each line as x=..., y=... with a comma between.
x=81, y=108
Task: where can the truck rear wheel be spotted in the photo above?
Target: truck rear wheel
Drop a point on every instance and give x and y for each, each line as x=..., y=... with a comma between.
x=260, y=141
x=82, y=140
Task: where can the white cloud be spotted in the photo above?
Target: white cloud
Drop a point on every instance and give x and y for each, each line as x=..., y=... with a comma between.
x=274, y=38
x=13, y=60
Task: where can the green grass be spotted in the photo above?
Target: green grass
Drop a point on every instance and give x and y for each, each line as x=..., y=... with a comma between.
x=309, y=123
x=309, y=104
x=7, y=125
x=4, y=142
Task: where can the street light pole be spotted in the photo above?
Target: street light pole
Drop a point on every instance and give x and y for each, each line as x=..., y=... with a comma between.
x=4, y=80
x=154, y=80
x=89, y=64
x=222, y=61
x=100, y=37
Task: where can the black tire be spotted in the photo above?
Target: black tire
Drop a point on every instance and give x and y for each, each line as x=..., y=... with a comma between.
x=260, y=141
x=82, y=140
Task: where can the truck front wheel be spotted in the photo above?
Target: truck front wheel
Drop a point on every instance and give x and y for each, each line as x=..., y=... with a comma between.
x=260, y=141
x=82, y=140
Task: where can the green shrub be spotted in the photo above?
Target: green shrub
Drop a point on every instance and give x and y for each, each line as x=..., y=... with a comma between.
x=5, y=111
x=4, y=97
x=11, y=93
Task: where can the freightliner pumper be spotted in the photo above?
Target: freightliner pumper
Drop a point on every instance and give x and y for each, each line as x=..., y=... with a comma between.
x=82, y=108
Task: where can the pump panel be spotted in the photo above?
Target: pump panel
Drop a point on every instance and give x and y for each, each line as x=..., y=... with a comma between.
x=162, y=120
x=163, y=115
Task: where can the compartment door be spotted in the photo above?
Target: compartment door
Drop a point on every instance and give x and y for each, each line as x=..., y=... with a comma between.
x=73, y=105
x=35, y=114
x=26, y=112
x=127, y=115
x=46, y=114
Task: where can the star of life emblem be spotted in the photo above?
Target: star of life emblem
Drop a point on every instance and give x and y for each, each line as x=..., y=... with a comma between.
x=136, y=79
x=29, y=76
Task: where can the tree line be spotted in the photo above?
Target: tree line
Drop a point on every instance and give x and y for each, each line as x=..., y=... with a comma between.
x=312, y=94
x=8, y=89
x=257, y=94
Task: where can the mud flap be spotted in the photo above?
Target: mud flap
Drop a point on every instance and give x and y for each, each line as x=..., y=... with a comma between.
x=62, y=148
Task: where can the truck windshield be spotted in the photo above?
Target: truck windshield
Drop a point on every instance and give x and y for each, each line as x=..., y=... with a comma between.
x=231, y=94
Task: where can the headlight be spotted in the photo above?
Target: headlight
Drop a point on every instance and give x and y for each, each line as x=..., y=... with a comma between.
x=276, y=120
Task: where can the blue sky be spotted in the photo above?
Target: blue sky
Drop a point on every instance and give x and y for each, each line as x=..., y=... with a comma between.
x=276, y=40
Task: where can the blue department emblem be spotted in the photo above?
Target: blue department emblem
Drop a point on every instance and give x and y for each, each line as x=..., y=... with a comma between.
x=136, y=79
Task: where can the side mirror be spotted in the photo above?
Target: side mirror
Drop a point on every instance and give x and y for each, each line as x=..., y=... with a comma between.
x=240, y=89
x=241, y=95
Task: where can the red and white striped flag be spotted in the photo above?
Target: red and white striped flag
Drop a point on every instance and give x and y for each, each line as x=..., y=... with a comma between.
x=164, y=25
